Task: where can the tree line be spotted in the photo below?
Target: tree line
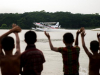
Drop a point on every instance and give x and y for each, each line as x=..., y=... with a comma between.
x=67, y=20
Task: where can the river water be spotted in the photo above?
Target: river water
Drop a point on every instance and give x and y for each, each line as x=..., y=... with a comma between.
x=53, y=64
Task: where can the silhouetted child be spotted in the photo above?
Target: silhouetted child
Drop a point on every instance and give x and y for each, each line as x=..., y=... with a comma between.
x=9, y=63
x=32, y=59
x=94, y=57
x=70, y=53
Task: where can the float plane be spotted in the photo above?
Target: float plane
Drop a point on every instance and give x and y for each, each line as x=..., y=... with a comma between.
x=46, y=26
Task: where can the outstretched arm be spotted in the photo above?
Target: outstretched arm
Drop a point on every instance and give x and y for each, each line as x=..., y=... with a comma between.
x=83, y=44
x=50, y=43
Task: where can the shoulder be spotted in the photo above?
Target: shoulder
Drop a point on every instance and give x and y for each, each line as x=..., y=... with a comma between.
x=16, y=56
x=10, y=57
x=76, y=47
x=17, y=53
x=32, y=51
x=39, y=51
x=32, y=54
x=60, y=49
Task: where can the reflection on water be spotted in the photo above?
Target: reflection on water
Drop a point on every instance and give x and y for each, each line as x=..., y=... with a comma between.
x=53, y=64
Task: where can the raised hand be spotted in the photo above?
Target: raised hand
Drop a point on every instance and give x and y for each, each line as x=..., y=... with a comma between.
x=79, y=31
x=13, y=25
x=16, y=28
x=98, y=35
x=47, y=34
x=83, y=34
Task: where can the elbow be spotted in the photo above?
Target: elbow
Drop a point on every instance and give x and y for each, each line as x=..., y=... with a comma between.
x=52, y=49
x=84, y=46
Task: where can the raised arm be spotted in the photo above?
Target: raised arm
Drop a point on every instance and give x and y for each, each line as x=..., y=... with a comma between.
x=50, y=43
x=98, y=37
x=76, y=41
x=17, y=41
x=77, y=34
x=14, y=29
x=17, y=44
x=1, y=37
x=84, y=46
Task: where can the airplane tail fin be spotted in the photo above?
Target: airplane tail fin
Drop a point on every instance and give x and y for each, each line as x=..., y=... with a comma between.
x=57, y=23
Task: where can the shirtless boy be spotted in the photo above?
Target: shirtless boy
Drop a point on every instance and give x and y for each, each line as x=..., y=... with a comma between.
x=9, y=63
x=70, y=53
x=94, y=57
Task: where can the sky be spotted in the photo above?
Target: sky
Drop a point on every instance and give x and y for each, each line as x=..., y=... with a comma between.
x=73, y=6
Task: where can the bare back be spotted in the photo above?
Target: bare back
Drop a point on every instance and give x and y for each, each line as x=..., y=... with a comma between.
x=10, y=65
x=94, y=64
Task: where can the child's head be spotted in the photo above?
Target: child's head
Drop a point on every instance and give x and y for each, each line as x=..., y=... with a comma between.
x=7, y=43
x=68, y=38
x=94, y=46
x=30, y=37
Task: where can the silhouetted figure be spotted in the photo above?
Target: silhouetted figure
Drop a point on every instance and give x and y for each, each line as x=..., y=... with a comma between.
x=94, y=57
x=70, y=53
x=32, y=59
x=9, y=63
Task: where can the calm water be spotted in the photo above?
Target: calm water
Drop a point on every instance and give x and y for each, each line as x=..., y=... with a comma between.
x=53, y=64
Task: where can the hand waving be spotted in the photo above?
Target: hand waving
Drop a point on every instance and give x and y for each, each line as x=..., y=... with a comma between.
x=16, y=28
x=83, y=34
x=47, y=34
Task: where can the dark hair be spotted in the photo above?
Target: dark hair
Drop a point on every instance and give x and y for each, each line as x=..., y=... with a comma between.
x=30, y=37
x=94, y=46
x=68, y=38
x=7, y=43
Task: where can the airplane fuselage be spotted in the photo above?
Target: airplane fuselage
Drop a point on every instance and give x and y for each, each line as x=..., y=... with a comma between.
x=42, y=25
x=39, y=25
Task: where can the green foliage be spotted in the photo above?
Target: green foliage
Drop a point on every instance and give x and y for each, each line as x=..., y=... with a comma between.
x=3, y=26
x=66, y=19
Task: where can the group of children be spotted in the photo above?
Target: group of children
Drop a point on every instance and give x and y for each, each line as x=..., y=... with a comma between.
x=30, y=62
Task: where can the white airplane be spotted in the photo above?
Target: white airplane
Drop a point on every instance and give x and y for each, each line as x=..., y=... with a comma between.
x=44, y=25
